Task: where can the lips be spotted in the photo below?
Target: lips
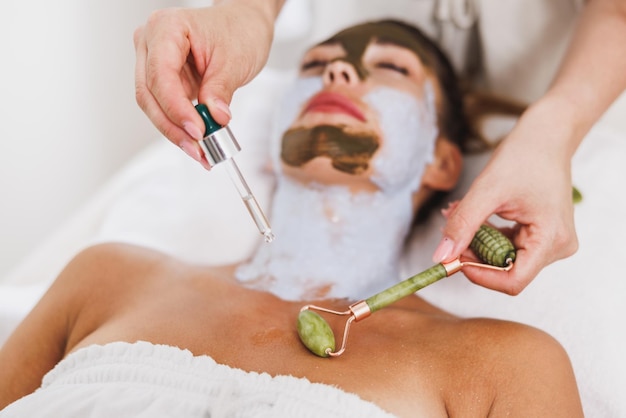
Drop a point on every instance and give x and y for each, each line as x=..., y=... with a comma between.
x=327, y=102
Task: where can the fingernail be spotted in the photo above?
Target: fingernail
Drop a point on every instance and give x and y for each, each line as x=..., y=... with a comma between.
x=221, y=105
x=191, y=150
x=444, y=250
x=192, y=130
x=205, y=164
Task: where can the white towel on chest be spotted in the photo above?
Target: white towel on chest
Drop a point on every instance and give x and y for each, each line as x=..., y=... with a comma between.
x=146, y=380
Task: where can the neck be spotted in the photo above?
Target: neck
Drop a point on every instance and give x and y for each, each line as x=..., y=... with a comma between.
x=330, y=242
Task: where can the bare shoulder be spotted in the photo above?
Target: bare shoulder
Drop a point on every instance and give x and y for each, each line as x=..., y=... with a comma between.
x=106, y=279
x=110, y=257
x=527, y=370
x=109, y=265
x=111, y=270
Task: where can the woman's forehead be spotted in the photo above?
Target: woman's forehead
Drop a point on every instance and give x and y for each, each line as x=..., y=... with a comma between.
x=356, y=39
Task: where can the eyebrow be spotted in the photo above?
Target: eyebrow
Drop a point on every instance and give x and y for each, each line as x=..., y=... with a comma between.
x=385, y=42
x=377, y=41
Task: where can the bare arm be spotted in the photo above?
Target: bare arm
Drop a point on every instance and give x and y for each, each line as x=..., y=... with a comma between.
x=55, y=325
x=36, y=346
x=528, y=179
x=592, y=74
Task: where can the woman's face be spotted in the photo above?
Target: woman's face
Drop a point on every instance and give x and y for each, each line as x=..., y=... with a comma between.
x=341, y=123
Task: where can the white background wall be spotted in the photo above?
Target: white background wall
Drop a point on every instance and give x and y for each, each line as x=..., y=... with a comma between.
x=68, y=116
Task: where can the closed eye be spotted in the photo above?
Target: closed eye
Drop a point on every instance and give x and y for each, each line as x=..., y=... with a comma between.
x=309, y=65
x=393, y=67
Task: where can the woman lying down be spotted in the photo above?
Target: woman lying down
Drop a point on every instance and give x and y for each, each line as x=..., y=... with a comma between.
x=370, y=132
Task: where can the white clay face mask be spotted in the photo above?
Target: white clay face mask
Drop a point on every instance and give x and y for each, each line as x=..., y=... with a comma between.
x=327, y=233
x=327, y=238
x=410, y=130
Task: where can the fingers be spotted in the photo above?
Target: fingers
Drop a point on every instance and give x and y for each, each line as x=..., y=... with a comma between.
x=464, y=219
x=159, y=89
x=203, y=54
x=525, y=269
x=543, y=231
x=537, y=245
x=215, y=93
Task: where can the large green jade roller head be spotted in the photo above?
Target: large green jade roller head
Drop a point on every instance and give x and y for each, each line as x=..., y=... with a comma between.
x=220, y=146
x=489, y=245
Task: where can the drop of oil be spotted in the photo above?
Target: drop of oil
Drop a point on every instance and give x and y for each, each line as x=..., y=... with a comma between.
x=269, y=236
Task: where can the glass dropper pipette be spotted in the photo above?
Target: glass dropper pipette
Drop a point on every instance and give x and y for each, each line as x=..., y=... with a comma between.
x=220, y=146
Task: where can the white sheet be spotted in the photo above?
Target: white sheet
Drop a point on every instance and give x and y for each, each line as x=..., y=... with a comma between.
x=164, y=200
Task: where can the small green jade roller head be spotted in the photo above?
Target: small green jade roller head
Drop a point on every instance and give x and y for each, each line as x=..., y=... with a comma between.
x=220, y=146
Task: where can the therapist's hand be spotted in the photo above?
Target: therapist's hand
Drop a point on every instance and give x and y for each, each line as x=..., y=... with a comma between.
x=527, y=181
x=204, y=54
x=528, y=178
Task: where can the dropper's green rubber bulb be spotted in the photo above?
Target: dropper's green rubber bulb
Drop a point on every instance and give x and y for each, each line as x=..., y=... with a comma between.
x=577, y=197
x=209, y=123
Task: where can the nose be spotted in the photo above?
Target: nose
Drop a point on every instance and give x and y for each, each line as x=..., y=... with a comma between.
x=340, y=72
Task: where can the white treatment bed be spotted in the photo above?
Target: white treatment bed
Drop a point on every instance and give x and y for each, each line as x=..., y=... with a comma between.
x=162, y=199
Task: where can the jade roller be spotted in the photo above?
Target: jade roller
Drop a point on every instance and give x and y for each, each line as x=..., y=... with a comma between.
x=220, y=146
x=493, y=248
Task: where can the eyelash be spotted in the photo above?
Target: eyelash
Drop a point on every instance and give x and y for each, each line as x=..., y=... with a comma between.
x=393, y=67
x=384, y=65
x=313, y=64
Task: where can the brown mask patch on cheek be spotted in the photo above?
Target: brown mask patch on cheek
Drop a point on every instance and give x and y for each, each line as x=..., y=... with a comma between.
x=349, y=153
